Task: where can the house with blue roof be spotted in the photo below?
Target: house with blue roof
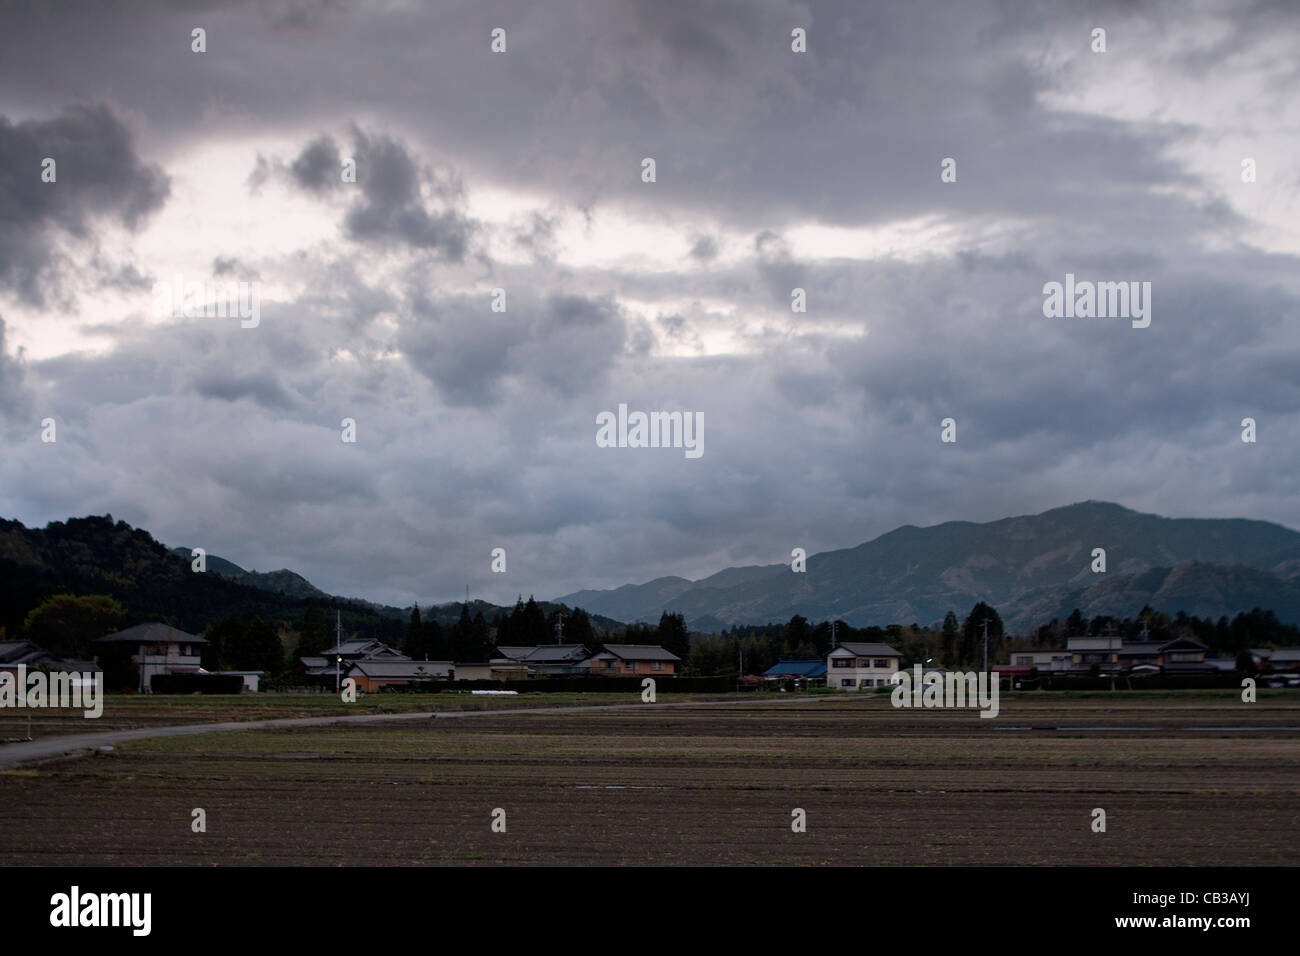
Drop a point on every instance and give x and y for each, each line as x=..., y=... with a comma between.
x=804, y=672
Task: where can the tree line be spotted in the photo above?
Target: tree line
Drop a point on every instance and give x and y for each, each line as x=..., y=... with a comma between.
x=67, y=624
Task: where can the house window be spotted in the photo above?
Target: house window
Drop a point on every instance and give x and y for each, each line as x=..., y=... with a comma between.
x=611, y=664
x=657, y=665
x=846, y=682
x=842, y=662
x=882, y=662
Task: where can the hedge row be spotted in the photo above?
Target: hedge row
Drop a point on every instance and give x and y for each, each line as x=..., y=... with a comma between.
x=1164, y=682
x=578, y=685
x=196, y=683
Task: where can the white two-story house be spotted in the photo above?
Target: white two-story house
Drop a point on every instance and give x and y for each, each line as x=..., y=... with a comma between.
x=857, y=666
x=155, y=649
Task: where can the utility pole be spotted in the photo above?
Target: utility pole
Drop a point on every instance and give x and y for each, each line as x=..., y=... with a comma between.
x=559, y=627
x=338, y=642
x=834, y=643
x=986, y=645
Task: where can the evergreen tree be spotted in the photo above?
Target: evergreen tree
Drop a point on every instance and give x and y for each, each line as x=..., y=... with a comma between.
x=532, y=629
x=1075, y=625
x=415, y=646
x=672, y=635
x=973, y=635
x=636, y=633
x=949, y=639
x=227, y=633
x=578, y=630
x=480, y=640
x=797, y=634
x=461, y=638
x=435, y=642
x=313, y=635
x=256, y=648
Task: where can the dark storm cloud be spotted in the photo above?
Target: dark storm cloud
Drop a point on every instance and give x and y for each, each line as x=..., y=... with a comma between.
x=263, y=389
x=97, y=174
x=393, y=207
x=402, y=200
x=742, y=128
x=562, y=344
x=318, y=167
x=704, y=248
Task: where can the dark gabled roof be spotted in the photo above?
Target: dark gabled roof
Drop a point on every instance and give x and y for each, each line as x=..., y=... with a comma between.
x=14, y=653
x=514, y=652
x=368, y=649
x=400, y=670
x=816, y=667
x=1141, y=649
x=868, y=650
x=557, y=653
x=22, y=652
x=1278, y=654
x=312, y=661
x=155, y=633
x=1184, y=642
x=640, y=652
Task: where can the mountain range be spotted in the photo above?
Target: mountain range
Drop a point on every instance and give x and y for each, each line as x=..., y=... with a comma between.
x=95, y=555
x=1031, y=568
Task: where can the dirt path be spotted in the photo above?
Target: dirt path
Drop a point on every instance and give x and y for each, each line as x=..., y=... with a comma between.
x=27, y=751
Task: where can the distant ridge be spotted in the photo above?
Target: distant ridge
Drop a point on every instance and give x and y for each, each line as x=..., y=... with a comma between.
x=283, y=581
x=95, y=555
x=1030, y=567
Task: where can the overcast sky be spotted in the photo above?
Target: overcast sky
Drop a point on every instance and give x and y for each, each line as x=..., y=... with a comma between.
x=522, y=170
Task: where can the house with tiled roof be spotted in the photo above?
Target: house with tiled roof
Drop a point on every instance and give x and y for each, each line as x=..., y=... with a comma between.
x=854, y=666
x=544, y=660
x=32, y=656
x=377, y=673
x=633, y=660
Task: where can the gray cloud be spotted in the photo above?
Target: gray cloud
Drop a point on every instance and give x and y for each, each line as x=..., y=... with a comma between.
x=562, y=344
x=262, y=388
x=477, y=428
x=97, y=174
x=704, y=248
x=12, y=397
x=318, y=166
x=392, y=205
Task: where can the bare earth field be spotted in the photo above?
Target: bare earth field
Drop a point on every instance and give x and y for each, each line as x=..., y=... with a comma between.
x=138, y=711
x=1193, y=779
